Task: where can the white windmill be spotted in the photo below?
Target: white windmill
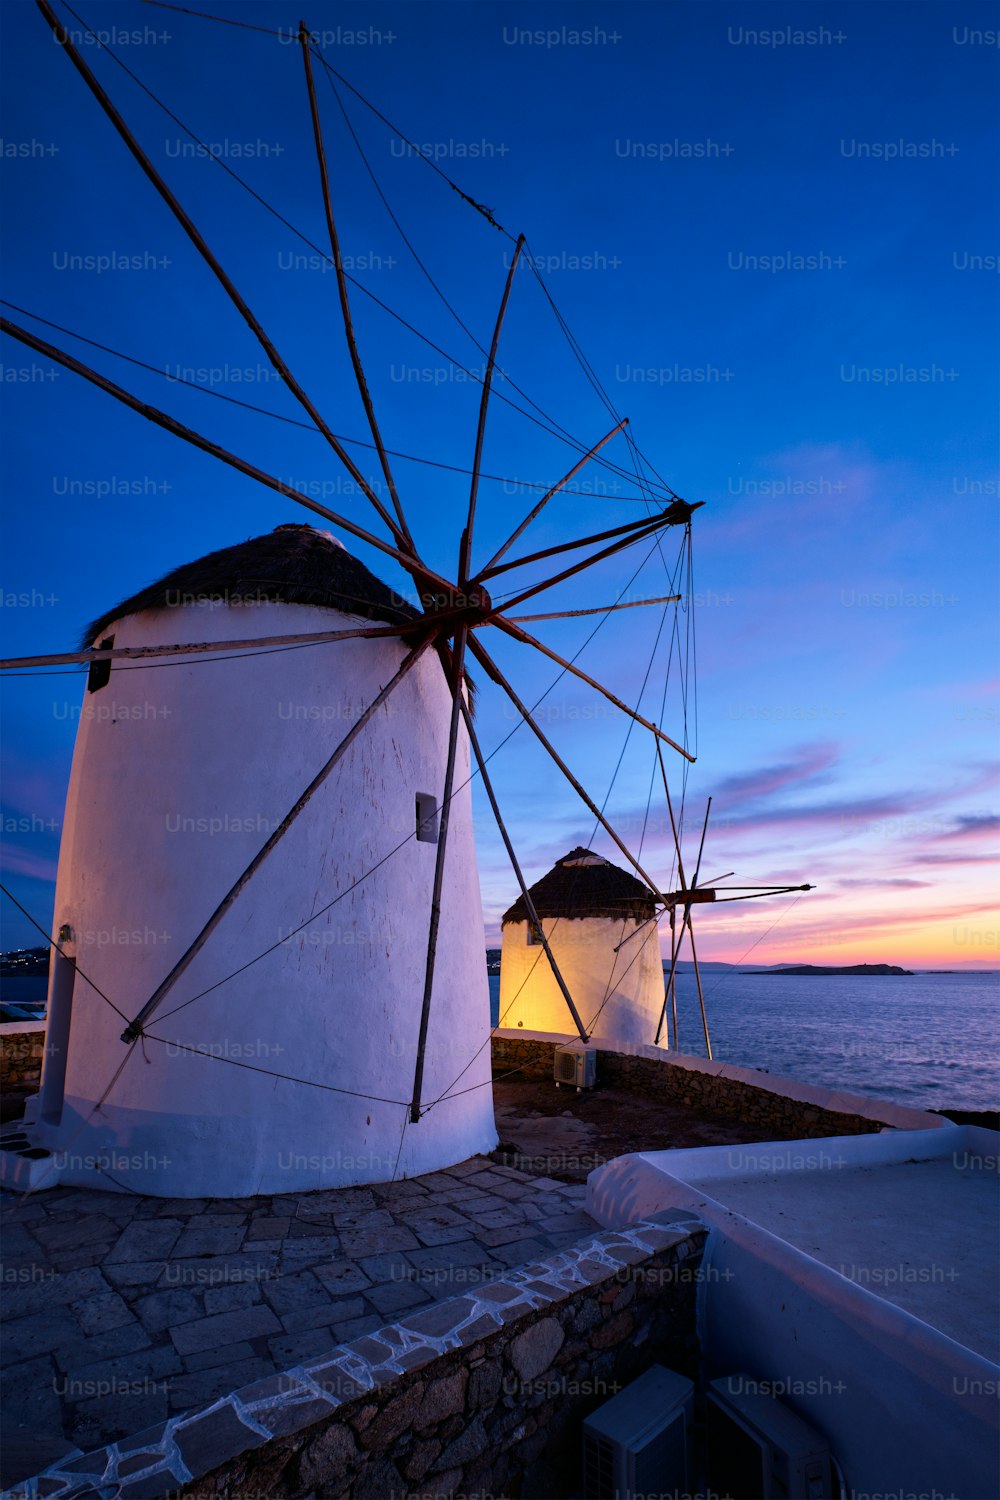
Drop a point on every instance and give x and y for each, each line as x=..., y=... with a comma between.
x=585, y=908
x=345, y=1060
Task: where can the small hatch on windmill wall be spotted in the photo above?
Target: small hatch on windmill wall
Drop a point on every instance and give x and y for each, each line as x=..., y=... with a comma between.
x=100, y=671
x=427, y=818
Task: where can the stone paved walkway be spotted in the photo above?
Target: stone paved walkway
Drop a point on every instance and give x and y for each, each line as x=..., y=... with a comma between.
x=119, y=1311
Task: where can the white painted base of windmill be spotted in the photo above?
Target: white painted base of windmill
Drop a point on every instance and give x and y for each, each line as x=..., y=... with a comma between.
x=618, y=994
x=25, y=1166
x=174, y=788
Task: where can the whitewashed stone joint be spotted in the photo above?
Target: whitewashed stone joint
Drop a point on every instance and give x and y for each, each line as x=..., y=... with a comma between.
x=567, y=1271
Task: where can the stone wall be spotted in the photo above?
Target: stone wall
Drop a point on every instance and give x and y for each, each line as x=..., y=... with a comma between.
x=482, y=1394
x=716, y=1092
x=21, y=1054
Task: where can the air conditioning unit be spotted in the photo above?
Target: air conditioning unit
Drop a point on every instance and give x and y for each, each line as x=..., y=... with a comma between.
x=638, y=1443
x=576, y=1066
x=758, y=1447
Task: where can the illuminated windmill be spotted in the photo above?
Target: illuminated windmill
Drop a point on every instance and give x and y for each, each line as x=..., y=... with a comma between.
x=229, y=1146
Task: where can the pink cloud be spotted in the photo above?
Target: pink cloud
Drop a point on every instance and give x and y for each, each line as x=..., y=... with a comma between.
x=809, y=768
x=879, y=885
x=956, y=859
x=972, y=825
x=26, y=862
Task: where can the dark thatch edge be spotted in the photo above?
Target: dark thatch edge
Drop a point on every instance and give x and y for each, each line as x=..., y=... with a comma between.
x=294, y=564
x=579, y=891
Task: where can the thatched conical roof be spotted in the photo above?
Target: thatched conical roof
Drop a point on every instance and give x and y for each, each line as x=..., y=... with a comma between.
x=583, y=884
x=293, y=564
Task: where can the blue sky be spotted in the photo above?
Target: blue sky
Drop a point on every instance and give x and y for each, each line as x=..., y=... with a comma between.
x=772, y=229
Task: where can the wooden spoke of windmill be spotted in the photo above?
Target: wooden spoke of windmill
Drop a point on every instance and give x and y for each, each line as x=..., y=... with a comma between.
x=447, y=613
x=688, y=896
x=201, y=245
x=491, y=566
x=452, y=613
x=345, y=305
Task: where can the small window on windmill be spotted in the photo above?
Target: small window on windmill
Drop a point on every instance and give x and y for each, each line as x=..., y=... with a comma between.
x=534, y=935
x=427, y=818
x=100, y=671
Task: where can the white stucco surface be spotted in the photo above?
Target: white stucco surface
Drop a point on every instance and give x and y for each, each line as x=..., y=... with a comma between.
x=907, y=1410
x=873, y=1226
x=912, y=1216
x=179, y=776
x=621, y=994
x=897, y=1370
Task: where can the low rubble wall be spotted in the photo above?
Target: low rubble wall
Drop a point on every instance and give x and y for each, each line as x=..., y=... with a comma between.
x=780, y=1108
x=483, y=1393
x=22, y=1048
x=22, y=1051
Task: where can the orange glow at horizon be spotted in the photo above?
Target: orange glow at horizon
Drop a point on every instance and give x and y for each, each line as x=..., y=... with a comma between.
x=939, y=941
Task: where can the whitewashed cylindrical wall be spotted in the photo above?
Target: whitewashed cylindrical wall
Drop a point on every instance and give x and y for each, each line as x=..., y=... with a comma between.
x=618, y=995
x=180, y=774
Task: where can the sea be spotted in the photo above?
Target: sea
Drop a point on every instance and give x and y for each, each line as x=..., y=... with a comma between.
x=24, y=987
x=22, y=990
x=930, y=1040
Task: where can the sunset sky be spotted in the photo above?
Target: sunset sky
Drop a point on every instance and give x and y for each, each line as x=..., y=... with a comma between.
x=772, y=230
